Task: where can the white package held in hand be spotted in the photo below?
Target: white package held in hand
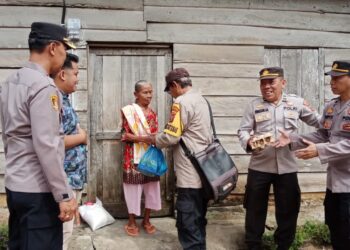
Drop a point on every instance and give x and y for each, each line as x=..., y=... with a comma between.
x=95, y=215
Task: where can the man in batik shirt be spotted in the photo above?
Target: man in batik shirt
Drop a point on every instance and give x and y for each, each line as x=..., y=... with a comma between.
x=75, y=162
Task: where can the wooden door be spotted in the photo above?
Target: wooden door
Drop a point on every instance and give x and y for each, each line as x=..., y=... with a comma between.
x=112, y=75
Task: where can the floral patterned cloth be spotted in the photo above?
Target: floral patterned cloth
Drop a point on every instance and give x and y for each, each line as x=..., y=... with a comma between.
x=75, y=161
x=130, y=174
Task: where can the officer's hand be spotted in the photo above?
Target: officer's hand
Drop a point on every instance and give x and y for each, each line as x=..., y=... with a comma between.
x=283, y=140
x=67, y=210
x=306, y=153
x=250, y=146
x=83, y=134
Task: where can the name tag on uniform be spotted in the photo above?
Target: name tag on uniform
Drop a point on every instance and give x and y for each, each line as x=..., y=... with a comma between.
x=264, y=116
x=291, y=114
x=345, y=125
x=290, y=108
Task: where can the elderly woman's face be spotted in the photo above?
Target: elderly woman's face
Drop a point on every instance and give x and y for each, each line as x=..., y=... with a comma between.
x=144, y=94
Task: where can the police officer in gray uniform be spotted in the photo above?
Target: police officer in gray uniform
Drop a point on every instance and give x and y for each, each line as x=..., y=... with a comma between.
x=263, y=117
x=189, y=121
x=38, y=196
x=332, y=147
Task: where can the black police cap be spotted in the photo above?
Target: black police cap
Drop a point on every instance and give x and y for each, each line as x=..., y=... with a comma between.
x=339, y=68
x=50, y=31
x=271, y=73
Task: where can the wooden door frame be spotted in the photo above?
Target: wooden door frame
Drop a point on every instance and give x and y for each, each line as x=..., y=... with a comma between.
x=100, y=49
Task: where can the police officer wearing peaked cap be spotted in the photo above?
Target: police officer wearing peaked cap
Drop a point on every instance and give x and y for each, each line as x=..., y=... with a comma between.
x=264, y=117
x=38, y=196
x=189, y=122
x=331, y=144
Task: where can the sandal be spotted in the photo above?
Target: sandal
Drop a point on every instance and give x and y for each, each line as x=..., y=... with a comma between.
x=131, y=230
x=149, y=228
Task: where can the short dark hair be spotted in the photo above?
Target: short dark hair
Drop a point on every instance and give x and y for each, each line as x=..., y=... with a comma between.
x=69, y=59
x=38, y=45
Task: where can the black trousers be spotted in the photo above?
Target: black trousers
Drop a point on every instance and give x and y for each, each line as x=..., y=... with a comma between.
x=337, y=215
x=191, y=206
x=33, y=221
x=287, y=202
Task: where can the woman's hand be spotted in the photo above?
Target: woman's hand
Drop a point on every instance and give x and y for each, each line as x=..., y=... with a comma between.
x=128, y=137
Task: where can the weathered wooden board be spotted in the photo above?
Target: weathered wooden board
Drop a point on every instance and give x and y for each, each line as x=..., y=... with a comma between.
x=95, y=115
x=272, y=57
x=308, y=182
x=107, y=4
x=328, y=94
x=18, y=37
x=249, y=17
x=14, y=37
x=336, y=54
x=231, y=144
x=112, y=35
x=18, y=16
x=226, y=86
x=80, y=101
x=112, y=172
x=310, y=84
x=83, y=119
x=342, y=6
x=15, y=58
x=227, y=125
x=321, y=78
x=221, y=70
x=112, y=76
x=102, y=19
x=218, y=53
x=228, y=106
x=232, y=34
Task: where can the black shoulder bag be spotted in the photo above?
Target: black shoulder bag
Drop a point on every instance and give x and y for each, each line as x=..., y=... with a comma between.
x=215, y=167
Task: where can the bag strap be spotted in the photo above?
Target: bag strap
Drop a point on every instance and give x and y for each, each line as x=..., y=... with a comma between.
x=211, y=119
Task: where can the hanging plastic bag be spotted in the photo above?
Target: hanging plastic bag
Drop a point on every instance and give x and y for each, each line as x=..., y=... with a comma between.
x=152, y=163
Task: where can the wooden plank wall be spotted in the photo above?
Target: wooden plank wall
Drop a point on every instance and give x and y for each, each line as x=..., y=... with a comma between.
x=221, y=43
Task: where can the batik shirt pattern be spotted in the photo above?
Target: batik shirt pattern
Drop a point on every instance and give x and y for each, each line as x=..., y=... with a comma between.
x=75, y=162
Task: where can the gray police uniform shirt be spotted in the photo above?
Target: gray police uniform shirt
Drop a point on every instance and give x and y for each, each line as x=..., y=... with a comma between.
x=261, y=117
x=195, y=132
x=333, y=144
x=32, y=135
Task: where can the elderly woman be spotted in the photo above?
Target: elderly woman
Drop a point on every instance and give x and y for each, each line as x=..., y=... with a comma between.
x=138, y=121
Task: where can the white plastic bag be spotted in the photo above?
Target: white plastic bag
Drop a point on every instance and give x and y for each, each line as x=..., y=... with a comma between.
x=95, y=215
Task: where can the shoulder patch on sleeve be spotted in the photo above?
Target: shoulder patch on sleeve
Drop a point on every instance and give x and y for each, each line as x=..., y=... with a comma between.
x=174, y=126
x=54, y=101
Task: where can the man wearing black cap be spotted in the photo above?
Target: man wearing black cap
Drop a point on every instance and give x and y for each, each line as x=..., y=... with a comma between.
x=38, y=196
x=332, y=147
x=189, y=121
x=262, y=119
